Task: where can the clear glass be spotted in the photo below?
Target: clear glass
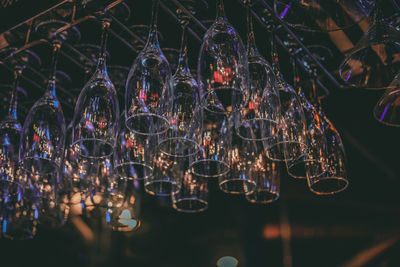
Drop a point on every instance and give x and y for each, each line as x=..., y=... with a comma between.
x=10, y=134
x=293, y=128
x=20, y=208
x=222, y=69
x=387, y=110
x=215, y=139
x=43, y=133
x=335, y=179
x=373, y=62
x=242, y=153
x=193, y=195
x=260, y=117
x=314, y=162
x=267, y=175
x=96, y=114
x=322, y=15
x=148, y=94
x=171, y=162
x=122, y=205
x=185, y=120
x=133, y=153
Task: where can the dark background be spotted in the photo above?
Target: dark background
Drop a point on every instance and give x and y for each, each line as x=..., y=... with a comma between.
x=362, y=222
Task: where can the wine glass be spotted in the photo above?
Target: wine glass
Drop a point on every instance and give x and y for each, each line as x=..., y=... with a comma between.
x=260, y=117
x=193, y=195
x=266, y=174
x=96, y=112
x=148, y=94
x=20, y=210
x=133, y=153
x=335, y=179
x=122, y=210
x=313, y=162
x=180, y=141
x=293, y=129
x=322, y=15
x=10, y=127
x=222, y=69
x=374, y=60
x=242, y=154
x=387, y=110
x=43, y=134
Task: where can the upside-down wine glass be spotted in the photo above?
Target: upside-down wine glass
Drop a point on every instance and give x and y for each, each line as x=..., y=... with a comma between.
x=222, y=65
x=222, y=74
x=17, y=208
x=180, y=142
x=260, y=117
x=96, y=114
x=267, y=176
x=292, y=131
x=148, y=92
x=374, y=61
x=314, y=162
x=335, y=179
x=43, y=134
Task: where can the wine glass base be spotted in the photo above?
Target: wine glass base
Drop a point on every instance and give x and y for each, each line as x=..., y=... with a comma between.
x=209, y=168
x=237, y=186
x=262, y=196
x=161, y=187
x=190, y=205
x=52, y=29
x=328, y=185
x=134, y=170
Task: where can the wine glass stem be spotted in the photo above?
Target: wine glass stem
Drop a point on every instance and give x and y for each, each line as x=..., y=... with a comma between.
x=251, y=42
x=220, y=9
x=183, y=59
x=153, y=26
x=296, y=77
x=51, y=87
x=103, y=45
x=274, y=52
x=12, y=110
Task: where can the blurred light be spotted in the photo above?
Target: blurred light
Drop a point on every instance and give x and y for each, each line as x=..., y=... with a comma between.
x=227, y=261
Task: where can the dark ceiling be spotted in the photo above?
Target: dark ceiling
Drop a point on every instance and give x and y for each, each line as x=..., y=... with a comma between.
x=358, y=227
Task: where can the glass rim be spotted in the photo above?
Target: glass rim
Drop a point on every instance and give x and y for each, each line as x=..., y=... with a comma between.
x=322, y=179
x=93, y=139
x=229, y=180
x=143, y=114
x=273, y=193
x=119, y=166
x=180, y=200
x=154, y=193
x=383, y=121
x=202, y=161
x=297, y=161
x=196, y=145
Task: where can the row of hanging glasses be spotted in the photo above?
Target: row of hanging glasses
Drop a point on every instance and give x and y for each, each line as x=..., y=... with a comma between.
x=238, y=123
